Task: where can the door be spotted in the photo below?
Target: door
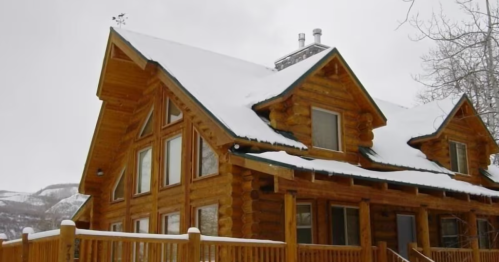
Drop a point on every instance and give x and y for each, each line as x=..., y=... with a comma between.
x=406, y=232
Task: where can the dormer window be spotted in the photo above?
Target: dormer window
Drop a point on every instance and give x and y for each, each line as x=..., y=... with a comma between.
x=326, y=129
x=458, y=157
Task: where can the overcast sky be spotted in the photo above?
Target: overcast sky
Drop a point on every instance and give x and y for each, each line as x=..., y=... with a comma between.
x=51, y=55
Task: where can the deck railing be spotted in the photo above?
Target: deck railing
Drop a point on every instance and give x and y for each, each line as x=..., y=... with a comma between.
x=451, y=254
x=487, y=255
x=393, y=256
x=312, y=253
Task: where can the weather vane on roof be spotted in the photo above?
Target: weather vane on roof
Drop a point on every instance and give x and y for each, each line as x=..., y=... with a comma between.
x=120, y=19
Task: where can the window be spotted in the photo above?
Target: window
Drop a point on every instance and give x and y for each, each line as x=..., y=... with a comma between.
x=173, y=160
x=148, y=125
x=458, y=157
x=119, y=187
x=484, y=230
x=345, y=225
x=325, y=129
x=140, y=249
x=207, y=160
x=304, y=223
x=173, y=114
x=207, y=220
x=171, y=224
x=116, y=251
x=450, y=232
x=144, y=170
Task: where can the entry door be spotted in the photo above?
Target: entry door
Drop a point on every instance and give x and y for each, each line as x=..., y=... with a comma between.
x=406, y=231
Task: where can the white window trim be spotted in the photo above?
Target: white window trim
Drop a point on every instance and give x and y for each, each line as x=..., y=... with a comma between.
x=311, y=227
x=338, y=118
x=138, y=171
x=145, y=122
x=163, y=224
x=135, y=231
x=167, y=111
x=346, y=224
x=457, y=158
x=115, y=224
x=202, y=207
x=116, y=185
x=198, y=158
x=165, y=160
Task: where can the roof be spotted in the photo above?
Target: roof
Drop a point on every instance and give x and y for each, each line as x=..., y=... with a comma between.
x=409, y=177
x=301, y=49
x=492, y=173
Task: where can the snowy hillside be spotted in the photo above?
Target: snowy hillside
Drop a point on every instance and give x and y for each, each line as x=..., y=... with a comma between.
x=42, y=210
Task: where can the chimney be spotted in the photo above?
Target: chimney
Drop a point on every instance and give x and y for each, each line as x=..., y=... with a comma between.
x=317, y=35
x=301, y=40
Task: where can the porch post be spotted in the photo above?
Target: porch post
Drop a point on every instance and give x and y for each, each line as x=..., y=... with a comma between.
x=424, y=231
x=290, y=226
x=473, y=236
x=365, y=230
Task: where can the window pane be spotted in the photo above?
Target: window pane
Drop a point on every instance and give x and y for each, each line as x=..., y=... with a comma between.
x=303, y=215
x=453, y=157
x=116, y=251
x=338, y=220
x=142, y=226
x=119, y=191
x=325, y=130
x=144, y=176
x=147, y=128
x=449, y=227
x=140, y=249
x=353, y=231
x=173, y=113
x=483, y=234
x=463, y=161
x=172, y=224
x=208, y=220
x=173, y=161
x=208, y=161
x=304, y=235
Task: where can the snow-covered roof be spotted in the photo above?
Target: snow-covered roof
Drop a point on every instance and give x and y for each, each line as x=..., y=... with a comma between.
x=409, y=177
x=390, y=144
x=205, y=75
x=301, y=49
x=491, y=173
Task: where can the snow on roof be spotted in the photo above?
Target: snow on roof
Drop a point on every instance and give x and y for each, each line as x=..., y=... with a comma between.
x=245, y=83
x=390, y=144
x=409, y=177
x=491, y=173
x=301, y=49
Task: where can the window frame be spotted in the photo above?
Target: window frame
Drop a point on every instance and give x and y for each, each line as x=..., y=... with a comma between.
x=478, y=221
x=197, y=160
x=457, y=158
x=166, y=163
x=144, y=123
x=146, y=247
x=312, y=217
x=338, y=127
x=163, y=224
x=113, y=198
x=442, y=233
x=137, y=193
x=111, y=228
x=345, y=232
x=196, y=209
x=166, y=111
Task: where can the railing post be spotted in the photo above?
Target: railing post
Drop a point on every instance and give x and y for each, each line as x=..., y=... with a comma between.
x=473, y=235
x=3, y=237
x=25, y=241
x=67, y=241
x=381, y=251
x=410, y=253
x=290, y=226
x=194, y=246
x=365, y=230
x=424, y=231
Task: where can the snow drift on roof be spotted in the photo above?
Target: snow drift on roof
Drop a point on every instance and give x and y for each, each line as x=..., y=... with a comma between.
x=390, y=144
x=415, y=178
x=226, y=87
x=491, y=173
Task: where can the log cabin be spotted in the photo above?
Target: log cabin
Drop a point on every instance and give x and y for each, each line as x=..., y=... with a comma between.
x=299, y=153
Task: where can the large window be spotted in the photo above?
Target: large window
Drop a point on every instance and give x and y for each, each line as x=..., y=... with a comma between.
x=304, y=223
x=325, y=129
x=173, y=114
x=119, y=187
x=144, y=170
x=484, y=230
x=173, y=160
x=450, y=232
x=140, y=249
x=345, y=226
x=458, y=157
x=117, y=246
x=207, y=159
x=207, y=220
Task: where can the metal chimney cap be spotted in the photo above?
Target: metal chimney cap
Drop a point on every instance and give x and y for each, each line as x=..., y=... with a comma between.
x=317, y=31
x=301, y=36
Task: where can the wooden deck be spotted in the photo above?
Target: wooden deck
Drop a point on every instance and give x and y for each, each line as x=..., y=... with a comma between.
x=70, y=244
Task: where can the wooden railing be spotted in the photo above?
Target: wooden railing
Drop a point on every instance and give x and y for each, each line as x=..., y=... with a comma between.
x=313, y=253
x=393, y=256
x=487, y=255
x=451, y=254
x=241, y=250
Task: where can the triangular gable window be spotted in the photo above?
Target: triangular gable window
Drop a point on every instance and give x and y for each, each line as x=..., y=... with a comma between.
x=148, y=124
x=119, y=187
